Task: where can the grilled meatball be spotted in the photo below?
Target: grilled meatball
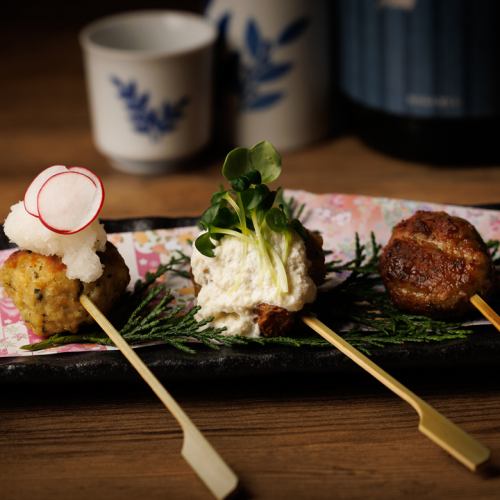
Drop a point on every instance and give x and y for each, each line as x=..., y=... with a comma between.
x=434, y=263
x=274, y=321
x=48, y=301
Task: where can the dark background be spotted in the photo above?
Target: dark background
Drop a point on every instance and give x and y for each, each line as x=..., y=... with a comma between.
x=63, y=13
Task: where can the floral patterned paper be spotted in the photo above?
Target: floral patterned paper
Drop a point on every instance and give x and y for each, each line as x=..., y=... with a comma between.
x=336, y=216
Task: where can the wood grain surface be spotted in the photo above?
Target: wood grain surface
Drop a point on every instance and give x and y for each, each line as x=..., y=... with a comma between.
x=286, y=438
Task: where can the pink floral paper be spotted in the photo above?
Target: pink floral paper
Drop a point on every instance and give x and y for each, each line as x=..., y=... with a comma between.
x=336, y=216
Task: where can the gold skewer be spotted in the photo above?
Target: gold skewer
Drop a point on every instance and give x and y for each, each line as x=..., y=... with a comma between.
x=435, y=426
x=196, y=450
x=486, y=310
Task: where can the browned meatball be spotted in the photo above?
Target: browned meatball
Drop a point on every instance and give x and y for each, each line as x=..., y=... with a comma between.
x=48, y=301
x=434, y=263
x=274, y=321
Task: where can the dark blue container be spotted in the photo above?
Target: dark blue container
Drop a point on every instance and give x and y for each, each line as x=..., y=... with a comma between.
x=422, y=77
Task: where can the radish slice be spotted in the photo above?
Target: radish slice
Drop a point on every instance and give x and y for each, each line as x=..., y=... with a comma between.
x=30, y=197
x=97, y=180
x=69, y=201
x=88, y=173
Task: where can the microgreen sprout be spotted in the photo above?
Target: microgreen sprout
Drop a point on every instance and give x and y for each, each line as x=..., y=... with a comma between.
x=251, y=211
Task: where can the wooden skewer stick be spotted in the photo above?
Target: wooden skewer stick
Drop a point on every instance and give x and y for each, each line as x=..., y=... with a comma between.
x=435, y=426
x=481, y=305
x=196, y=450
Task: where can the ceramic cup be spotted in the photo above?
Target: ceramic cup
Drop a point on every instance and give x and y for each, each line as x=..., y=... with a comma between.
x=149, y=79
x=275, y=68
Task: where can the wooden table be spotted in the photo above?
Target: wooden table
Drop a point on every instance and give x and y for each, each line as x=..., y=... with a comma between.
x=286, y=438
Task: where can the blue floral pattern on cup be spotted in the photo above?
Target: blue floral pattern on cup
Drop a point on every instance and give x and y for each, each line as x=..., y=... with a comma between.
x=258, y=65
x=145, y=119
x=262, y=66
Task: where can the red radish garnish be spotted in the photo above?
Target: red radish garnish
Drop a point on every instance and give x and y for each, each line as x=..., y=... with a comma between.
x=88, y=173
x=69, y=201
x=95, y=178
x=30, y=197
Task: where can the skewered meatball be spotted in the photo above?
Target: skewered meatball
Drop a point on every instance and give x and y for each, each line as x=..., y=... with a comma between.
x=434, y=263
x=274, y=320
x=48, y=301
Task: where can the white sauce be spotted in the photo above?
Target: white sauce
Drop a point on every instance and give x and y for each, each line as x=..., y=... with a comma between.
x=77, y=251
x=234, y=282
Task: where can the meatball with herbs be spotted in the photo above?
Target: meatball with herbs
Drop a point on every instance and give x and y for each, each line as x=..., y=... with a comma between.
x=48, y=300
x=434, y=263
x=272, y=320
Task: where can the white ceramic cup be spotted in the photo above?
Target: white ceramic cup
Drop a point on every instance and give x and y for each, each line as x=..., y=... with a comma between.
x=149, y=79
x=276, y=68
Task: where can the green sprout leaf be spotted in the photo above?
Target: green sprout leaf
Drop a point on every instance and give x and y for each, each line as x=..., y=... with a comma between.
x=218, y=196
x=208, y=216
x=236, y=164
x=218, y=215
x=254, y=177
x=225, y=218
x=262, y=157
x=253, y=198
x=265, y=159
x=268, y=201
x=204, y=245
x=299, y=229
x=243, y=182
x=240, y=184
x=277, y=220
x=241, y=211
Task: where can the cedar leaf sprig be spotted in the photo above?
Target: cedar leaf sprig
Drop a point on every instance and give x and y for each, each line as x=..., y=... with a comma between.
x=174, y=265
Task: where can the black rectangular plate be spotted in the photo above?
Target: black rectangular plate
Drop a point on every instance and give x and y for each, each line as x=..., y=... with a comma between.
x=481, y=350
